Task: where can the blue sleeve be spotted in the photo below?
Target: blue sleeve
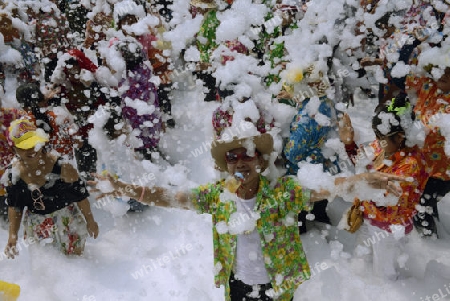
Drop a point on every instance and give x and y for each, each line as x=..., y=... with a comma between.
x=307, y=137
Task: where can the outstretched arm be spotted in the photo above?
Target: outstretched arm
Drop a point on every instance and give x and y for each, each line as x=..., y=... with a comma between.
x=377, y=180
x=159, y=196
x=347, y=185
x=155, y=196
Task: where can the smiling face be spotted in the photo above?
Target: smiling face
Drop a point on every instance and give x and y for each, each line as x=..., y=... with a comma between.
x=249, y=166
x=391, y=144
x=444, y=82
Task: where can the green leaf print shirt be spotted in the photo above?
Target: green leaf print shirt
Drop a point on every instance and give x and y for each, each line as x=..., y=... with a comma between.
x=206, y=37
x=282, y=248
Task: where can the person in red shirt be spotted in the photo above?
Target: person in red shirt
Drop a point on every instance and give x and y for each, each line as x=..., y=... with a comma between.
x=433, y=100
x=383, y=214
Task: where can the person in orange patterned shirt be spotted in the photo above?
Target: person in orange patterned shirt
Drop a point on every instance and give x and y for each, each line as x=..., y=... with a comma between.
x=433, y=100
x=386, y=216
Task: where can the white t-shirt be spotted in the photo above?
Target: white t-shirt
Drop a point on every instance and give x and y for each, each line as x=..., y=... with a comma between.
x=249, y=264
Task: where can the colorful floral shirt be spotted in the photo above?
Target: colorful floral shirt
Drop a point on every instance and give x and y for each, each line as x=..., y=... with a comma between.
x=409, y=163
x=147, y=122
x=206, y=37
x=282, y=248
x=272, y=48
x=419, y=15
x=7, y=115
x=307, y=137
x=154, y=46
x=234, y=46
x=430, y=104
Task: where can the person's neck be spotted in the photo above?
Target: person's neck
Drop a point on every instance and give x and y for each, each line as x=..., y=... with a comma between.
x=36, y=164
x=248, y=190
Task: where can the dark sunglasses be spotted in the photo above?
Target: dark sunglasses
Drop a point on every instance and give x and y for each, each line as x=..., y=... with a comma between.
x=233, y=158
x=37, y=197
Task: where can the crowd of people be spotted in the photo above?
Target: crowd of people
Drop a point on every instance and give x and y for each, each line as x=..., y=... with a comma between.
x=64, y=64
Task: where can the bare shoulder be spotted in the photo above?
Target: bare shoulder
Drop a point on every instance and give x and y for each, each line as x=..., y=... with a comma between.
x=69, y=173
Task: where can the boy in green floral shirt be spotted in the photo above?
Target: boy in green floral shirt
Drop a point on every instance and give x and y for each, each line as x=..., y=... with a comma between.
x=258, y=254
x=282, y=248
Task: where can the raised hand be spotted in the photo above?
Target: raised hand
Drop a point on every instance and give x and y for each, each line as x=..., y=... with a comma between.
x=346, y=131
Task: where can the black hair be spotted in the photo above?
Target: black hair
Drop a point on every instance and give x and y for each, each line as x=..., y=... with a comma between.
x=384, y=20
x=132, y=58
x=120, y=18
x=115, y=117
x=29, y=95
x=71, y=61
x=398, y=108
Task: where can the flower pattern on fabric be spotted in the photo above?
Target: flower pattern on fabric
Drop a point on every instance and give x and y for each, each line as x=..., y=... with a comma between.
x=65, y=229
x=407, y=163
x=139, y=87
x=430, y=104
x=282, y=248
x=234, y=46
x=206, y=36
x=421, y=13
x=271, y=47
x=44, y=229
x=307, y=137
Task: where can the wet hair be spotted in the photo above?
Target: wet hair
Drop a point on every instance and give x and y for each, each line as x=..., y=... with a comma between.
x=29, y=95
x=71, y=61
x=393, y=117
x=120, y=19
x=132, y=53
x=384, y=20
x=114, y=118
